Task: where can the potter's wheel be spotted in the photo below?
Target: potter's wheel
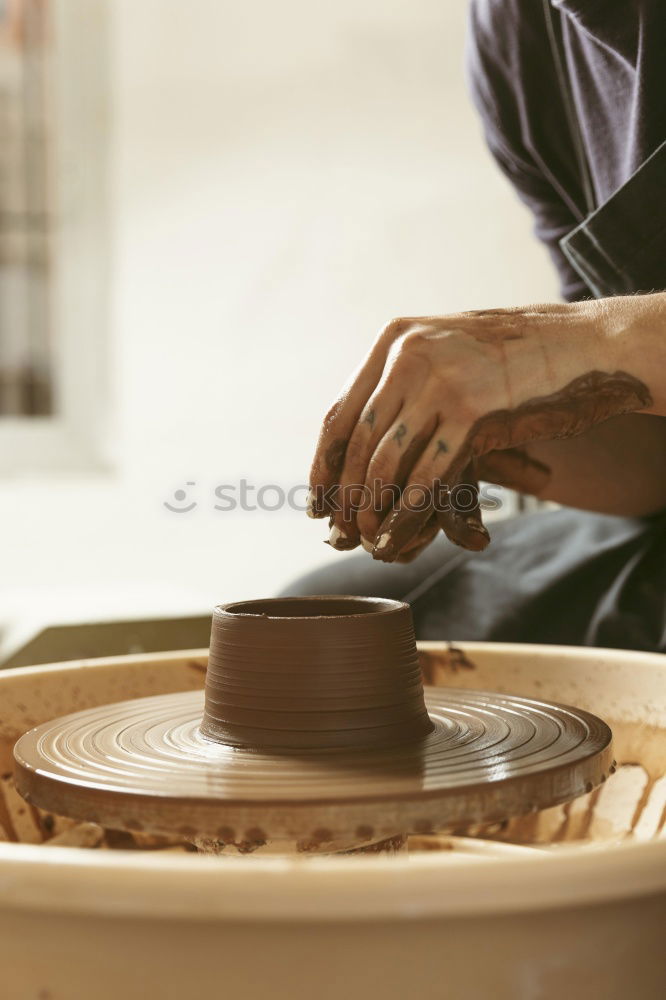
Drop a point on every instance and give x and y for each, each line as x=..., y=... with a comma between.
x=572, y=897
x=144, y=764
x=150, y=765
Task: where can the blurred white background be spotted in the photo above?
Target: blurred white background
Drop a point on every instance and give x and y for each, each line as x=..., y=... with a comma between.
x=281, y=179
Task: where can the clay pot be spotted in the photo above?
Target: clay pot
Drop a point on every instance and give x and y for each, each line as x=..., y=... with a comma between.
x=314, y=673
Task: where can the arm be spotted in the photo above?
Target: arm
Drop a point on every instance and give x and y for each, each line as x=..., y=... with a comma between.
x=619, y=467
x=438, y=397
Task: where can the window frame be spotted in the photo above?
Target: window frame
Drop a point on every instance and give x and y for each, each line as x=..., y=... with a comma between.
x=74, y=438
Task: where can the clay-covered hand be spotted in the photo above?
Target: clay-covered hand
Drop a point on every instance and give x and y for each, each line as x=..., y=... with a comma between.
x=441, y=402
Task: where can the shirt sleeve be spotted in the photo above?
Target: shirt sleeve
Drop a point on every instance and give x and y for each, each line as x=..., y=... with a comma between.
x=498, y=88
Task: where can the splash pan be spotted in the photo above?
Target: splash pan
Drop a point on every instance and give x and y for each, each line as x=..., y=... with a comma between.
x=568, y=900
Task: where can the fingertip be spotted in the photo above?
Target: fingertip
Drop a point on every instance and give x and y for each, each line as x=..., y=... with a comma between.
x=476, y=538
x=382, y=549
x=336, y=536
x=343, y=539
x=368, y=528
x=467, y=532
x=314, y=505
x=321, y=500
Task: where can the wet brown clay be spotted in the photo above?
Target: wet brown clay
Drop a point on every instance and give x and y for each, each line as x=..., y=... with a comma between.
x=315, y=731
x=314, y=673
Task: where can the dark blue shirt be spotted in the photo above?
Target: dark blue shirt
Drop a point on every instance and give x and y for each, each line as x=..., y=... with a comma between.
x=614, y=57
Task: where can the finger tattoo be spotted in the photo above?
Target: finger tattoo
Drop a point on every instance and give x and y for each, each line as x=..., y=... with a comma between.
x=401, y=430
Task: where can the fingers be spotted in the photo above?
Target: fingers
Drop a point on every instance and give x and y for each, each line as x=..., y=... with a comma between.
x=375, y=422
x=427, y=489
x=514, y=469
x=331, y=449
x=341, y=419
x=461, y=518
x=390, y=468
x=382, y=449
x=459, y=514
x=414, y=549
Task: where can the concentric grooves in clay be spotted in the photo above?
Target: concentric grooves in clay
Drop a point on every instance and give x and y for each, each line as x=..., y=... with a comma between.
x=155, y=747
x=315, y=719
x=314, y=673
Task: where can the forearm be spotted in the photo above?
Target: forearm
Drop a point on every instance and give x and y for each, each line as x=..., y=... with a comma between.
x=635, y=334
x=617, y=467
